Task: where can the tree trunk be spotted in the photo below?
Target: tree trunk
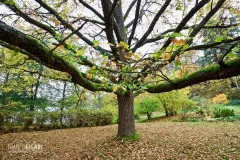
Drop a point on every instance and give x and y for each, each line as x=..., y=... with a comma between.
x=63, y=100
x=126, y=124
x=236, y=81
x=149, y=116
x=4, y=85
x=166, y=110
x=33, y=97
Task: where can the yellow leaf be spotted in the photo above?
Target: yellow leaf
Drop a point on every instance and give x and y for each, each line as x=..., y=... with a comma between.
x=124, y=45
x=81, y=52
x=237, y=12
x=127, y=56
x=166, y=56
x=88, y=76
x=135, y=56
x=115, y=88
x=179, y=42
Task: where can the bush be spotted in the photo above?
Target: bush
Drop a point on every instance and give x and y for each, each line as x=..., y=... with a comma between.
x=41, y=118
x=229, y=118
x=85, y=118
x=220, y=99
x=203, y=105
x=223, y=113
x=51, y=120
x=193, y=119
x=234, y=93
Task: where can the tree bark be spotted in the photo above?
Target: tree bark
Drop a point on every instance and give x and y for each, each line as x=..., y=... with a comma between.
x=33, y=98
x=126, y=124
x=63, y=100
x=4, y=85
x=236, y=81
x=149, y=116
x=166, y=110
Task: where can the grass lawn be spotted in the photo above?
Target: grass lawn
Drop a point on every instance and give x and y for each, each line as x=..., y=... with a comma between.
x=159, y=140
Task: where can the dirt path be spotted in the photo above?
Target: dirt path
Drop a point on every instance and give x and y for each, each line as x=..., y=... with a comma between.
x=166, y=140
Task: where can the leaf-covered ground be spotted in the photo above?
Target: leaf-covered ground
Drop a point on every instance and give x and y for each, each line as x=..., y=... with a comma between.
x=165, y=140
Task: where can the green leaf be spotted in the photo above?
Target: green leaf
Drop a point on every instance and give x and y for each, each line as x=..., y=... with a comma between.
x=175, y=34
x=178, y=63
x=81, y=52
x=185, y=46
x=96, y=43
x=115, y=88
x=144, y=87
x=125, y=45
x=169, y=49
x=179, y=7
x=58, y=37
x=219, y=39
x=231, y=55
x=11, y=2
x=230, y=38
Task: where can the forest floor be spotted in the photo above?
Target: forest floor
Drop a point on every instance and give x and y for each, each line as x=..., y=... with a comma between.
x=159, y=140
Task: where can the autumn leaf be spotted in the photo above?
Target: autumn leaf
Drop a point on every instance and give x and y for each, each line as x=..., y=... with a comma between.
x=179, y=42
x=124, y=45
x=81, y=52
x=115, y=88
x=135, y=56
x=88, y=76
x=55, y=21
x=96, y=43
x=166, y=56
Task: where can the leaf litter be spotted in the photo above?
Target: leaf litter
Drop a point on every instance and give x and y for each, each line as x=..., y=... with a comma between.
x=162, y=140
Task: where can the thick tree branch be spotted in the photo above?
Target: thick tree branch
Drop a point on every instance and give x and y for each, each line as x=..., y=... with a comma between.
x=152, y=25
x=162, y=35
x=119, y=22
x=211, y=45
x=37, y=50
x=67, y=25
x=207, y=18
x=129, y=9
x=192, y=34
x=183, y=23
x=196, y=30
x=134, y=22
x=231, y=68
x=92, y=9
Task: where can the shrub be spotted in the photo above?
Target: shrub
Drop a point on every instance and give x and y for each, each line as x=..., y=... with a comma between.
x=85, y=118
x=193, y=119
x=234, y=93
x=220, y=99
x=203, y=105
x=41, y=118
x=229, y=118
x=223, y=112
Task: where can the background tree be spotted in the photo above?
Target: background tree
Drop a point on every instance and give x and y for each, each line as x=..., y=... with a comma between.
x=103, y=46
x=147, y=106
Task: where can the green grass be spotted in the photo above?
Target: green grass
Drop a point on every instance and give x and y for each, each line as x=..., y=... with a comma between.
x=135, y=137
